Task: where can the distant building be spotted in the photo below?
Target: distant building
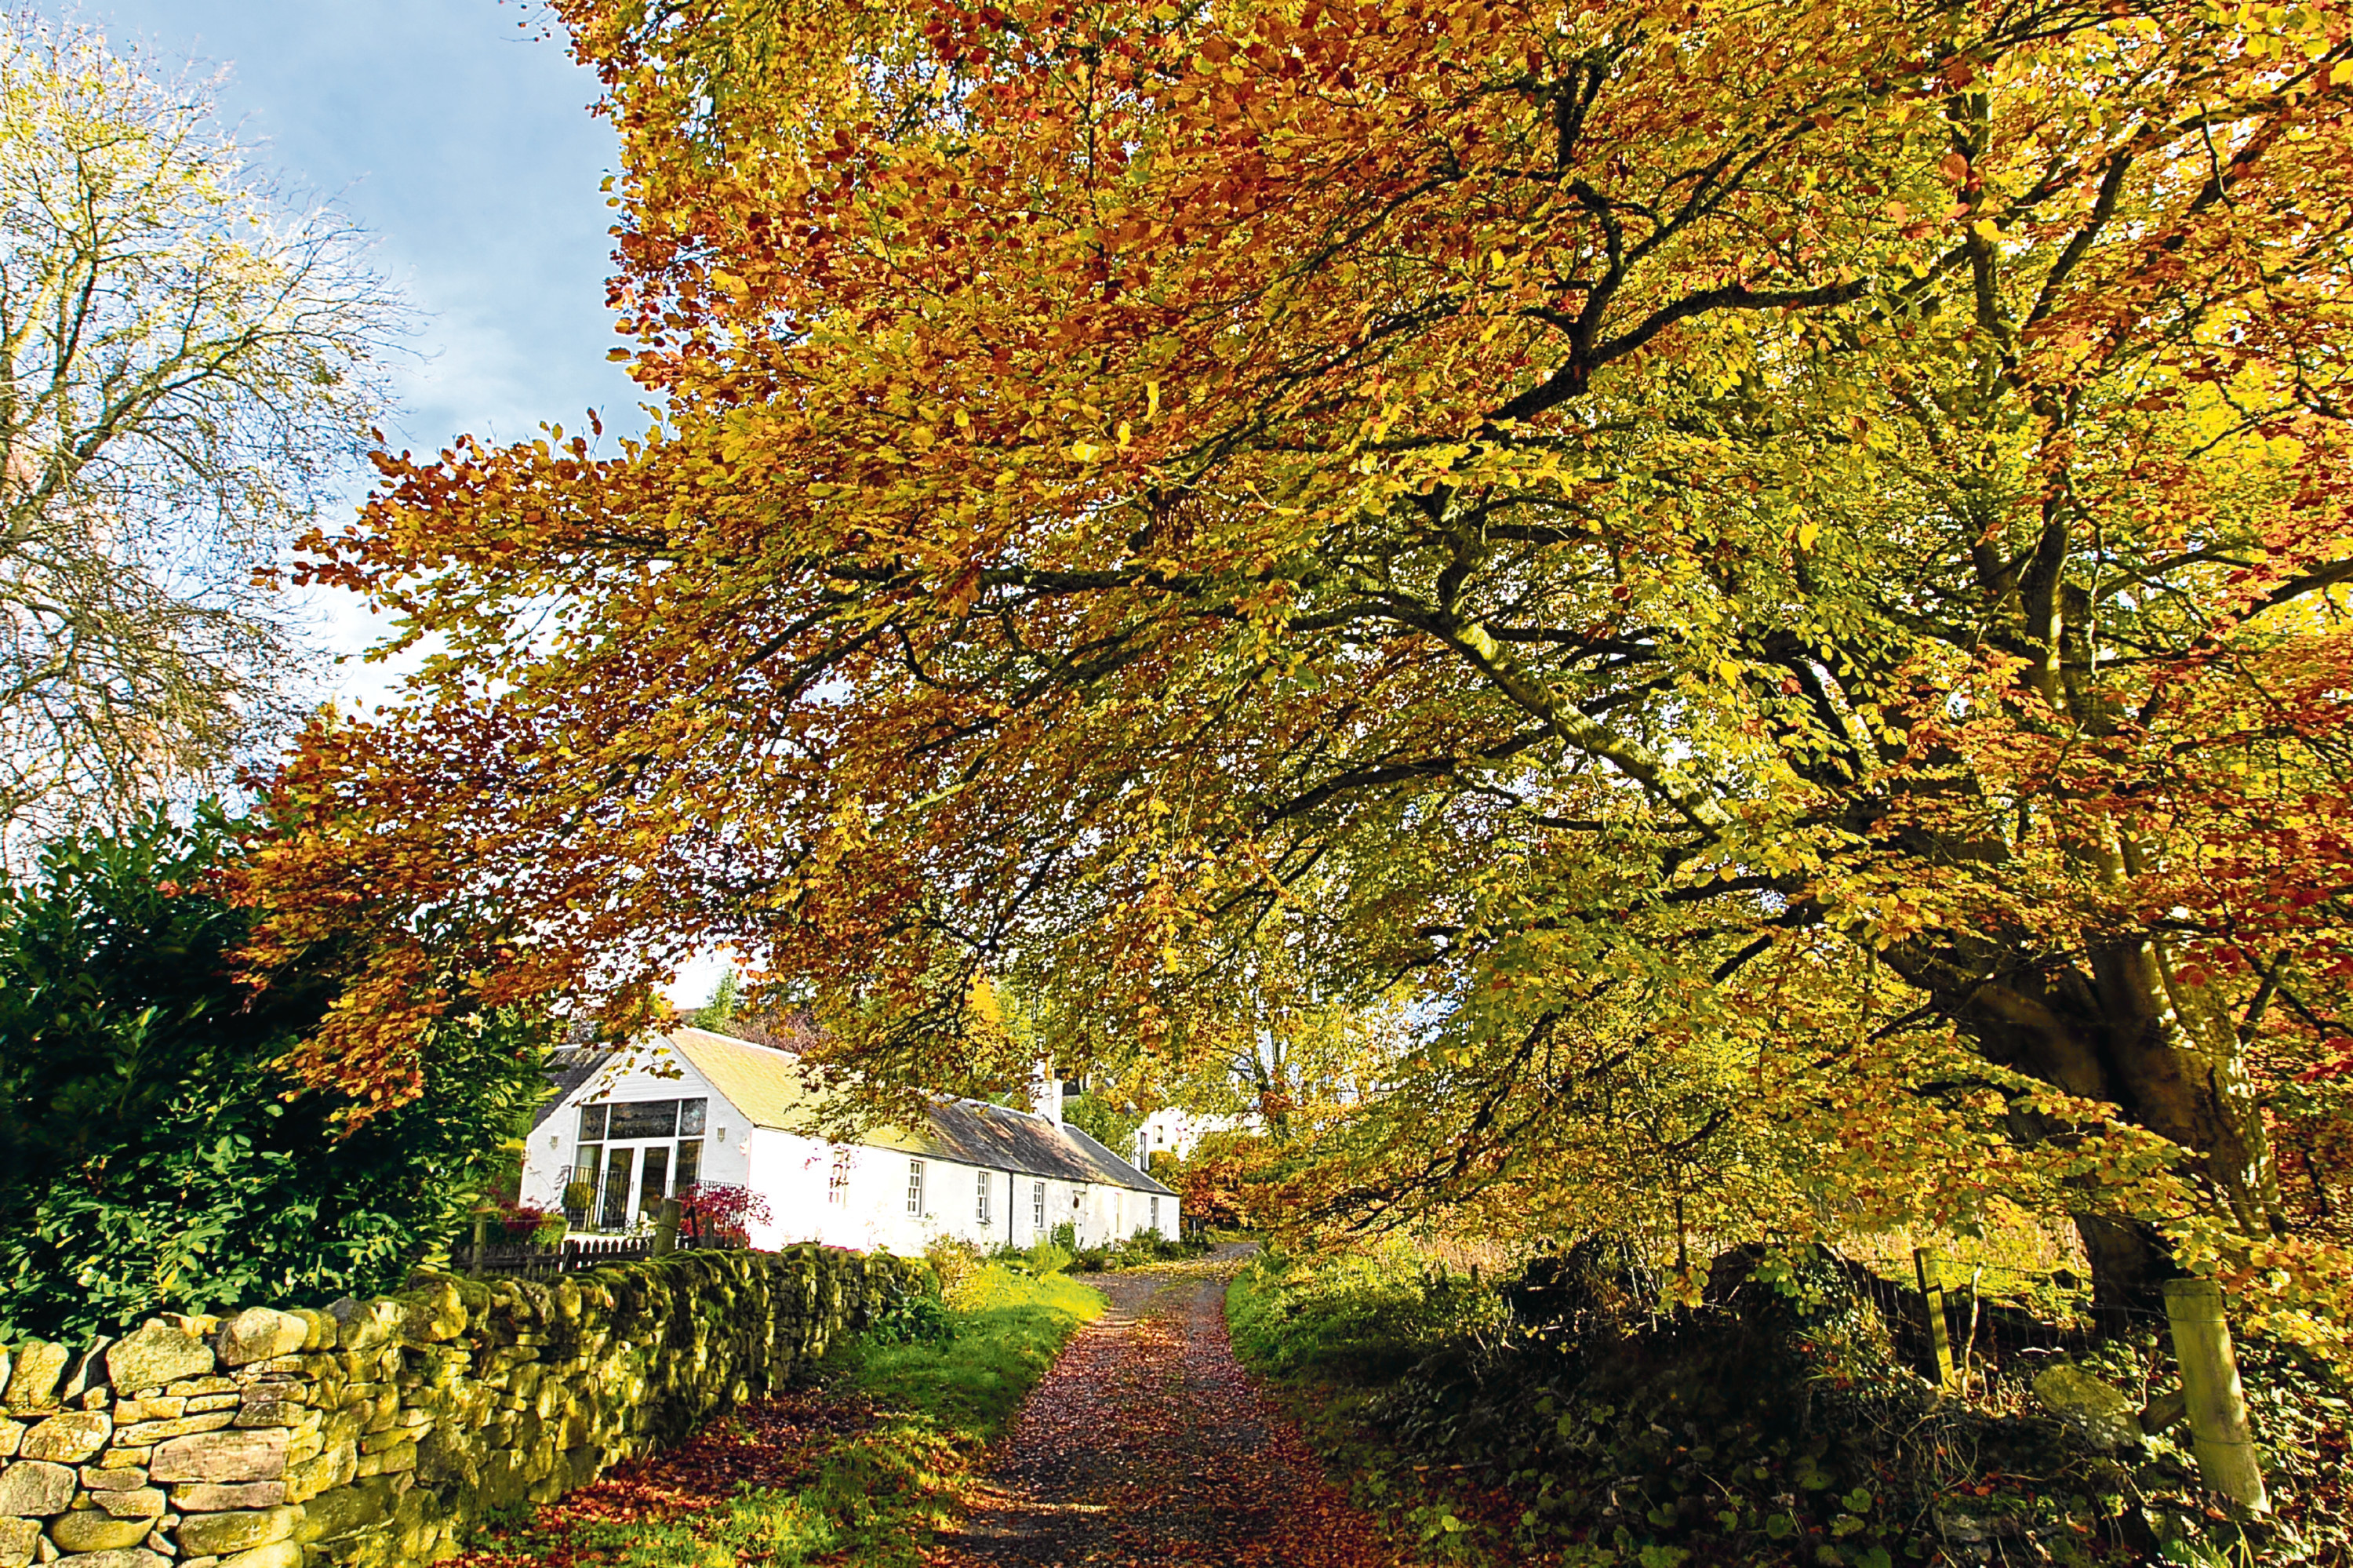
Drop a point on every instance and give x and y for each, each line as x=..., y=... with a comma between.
x=626, y=1129
x=1179, y=1132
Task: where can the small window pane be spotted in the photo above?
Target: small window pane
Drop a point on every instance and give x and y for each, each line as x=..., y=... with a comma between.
x=580, y=1185
x=645, y=1119
x=690, y=1166
x=690, y=1117
x=1038, y=1206
x=592, y=1124
x=656, y=1184
x=980, y=1207
x=915, y=1186
x=616, y=1189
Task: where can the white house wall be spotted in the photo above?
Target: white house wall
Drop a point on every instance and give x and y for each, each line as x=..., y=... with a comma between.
x=657, y=1074
x=793, y=1174
x=871, y=1213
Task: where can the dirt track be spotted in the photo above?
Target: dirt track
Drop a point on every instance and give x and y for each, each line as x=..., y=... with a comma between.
x=1148, y=1446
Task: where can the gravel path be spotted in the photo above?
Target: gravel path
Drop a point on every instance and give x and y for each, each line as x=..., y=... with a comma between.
x=1148, y=1446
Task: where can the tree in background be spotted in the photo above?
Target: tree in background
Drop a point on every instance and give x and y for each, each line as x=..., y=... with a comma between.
x=718, y=1014
x=1108, y=1121
x=1774, y=576
x=153, y=1155
x=186, y=362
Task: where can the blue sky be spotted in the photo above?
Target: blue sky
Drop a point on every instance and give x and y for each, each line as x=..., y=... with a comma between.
x=463, y=143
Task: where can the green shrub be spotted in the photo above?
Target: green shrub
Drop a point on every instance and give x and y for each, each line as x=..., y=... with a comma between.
x=152, y=1155
x=1038, y=1259
x=1136, y=1251
x=953, y=1262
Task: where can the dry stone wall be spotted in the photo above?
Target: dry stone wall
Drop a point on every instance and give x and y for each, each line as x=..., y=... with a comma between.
x=376, y=1432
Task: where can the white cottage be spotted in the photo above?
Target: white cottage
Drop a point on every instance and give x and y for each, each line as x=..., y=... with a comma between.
x=627, y=1128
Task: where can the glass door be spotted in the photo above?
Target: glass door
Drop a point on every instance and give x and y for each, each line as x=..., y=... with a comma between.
x=616, y=1189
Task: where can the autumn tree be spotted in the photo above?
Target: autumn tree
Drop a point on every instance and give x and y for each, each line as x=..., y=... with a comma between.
x=1778, y=573
x=187, y=363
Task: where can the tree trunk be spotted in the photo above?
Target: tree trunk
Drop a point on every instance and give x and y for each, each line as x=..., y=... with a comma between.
x=2117, y=1027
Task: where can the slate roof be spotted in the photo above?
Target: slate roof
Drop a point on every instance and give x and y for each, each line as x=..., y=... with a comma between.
x=567, y=1069
x=773, y=1088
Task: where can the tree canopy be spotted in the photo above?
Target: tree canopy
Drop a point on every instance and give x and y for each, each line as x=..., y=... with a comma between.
x=188, y=363
x=1769, y=582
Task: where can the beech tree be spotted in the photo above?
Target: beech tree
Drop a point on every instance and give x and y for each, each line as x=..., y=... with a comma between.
x=185, y=362
x=1771, y=580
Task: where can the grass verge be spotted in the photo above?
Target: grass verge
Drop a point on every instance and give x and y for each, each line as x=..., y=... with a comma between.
x=1325, y=1341
x=863, y=1465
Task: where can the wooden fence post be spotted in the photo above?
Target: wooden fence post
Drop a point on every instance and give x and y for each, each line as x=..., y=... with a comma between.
x=666, y=1228
x=481, y=1240
x=1940, y=1331
x=2217, y=1401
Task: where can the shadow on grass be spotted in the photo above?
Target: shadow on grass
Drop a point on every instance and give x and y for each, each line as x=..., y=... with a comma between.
x=865, y=1463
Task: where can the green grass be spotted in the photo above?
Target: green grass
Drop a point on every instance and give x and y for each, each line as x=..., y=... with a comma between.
x=874, y=1493
x=1008, y=1328
x=1356, y=1318
x=1328, y=1335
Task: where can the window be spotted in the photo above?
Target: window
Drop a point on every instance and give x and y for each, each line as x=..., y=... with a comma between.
x=592, y=1124
x=980, y=1204
x=690, y=1166
x=580, y=1188
x=580, y=1192
x=1155, y=1214
x=644, y=1118
x=1037, y=1207
x=690, y=1117
x=915, y=1186
x=836, y=1181
x=616, y=1190
x=656, y=1185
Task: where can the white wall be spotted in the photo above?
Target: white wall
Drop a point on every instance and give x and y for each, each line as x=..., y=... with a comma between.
x=651, y=1072
x=1174, y=1131
x=794, y=1174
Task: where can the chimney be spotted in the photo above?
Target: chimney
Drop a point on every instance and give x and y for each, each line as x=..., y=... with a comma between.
x=1046, y=1091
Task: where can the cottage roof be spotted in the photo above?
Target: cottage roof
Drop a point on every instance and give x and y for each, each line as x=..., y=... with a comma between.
x=773, y=1088
x=567, y=1069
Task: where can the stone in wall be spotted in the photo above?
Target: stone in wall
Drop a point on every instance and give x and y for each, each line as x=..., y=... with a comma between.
x=378, y=1433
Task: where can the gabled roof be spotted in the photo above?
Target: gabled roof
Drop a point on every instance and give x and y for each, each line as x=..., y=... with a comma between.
x=769, y=1085
x=772, y=1087
x=567, y=1069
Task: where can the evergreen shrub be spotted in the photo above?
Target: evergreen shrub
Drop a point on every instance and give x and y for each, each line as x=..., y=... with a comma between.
x=153, y=1155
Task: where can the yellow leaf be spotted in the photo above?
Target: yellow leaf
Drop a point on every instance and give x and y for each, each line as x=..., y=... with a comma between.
x=1084, y=452
x=1731, y=670
x=1806, y=534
